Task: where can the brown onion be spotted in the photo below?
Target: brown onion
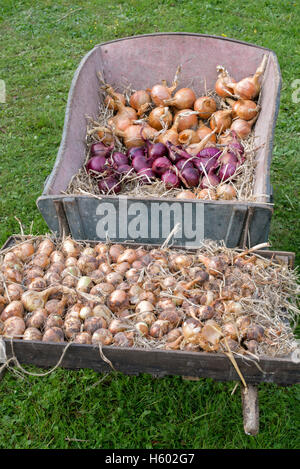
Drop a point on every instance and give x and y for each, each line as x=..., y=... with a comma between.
x=14, y=327
x=205, y=106
x=37, y=284
x=242, y=127
x=56, y=306
x=182, y=99
x=159, y=328
x=53, y=320
x=142, y=328
x=53, y=334
x=244, y=109
x=82, y=338
x=223, y=85
x=148, y=317
x=116, y=326
x=15, y=308
x=32, y=333
x=115, y=251
x=57, y=256
x=102, y=336
x=188, y=136
x=14, y=291
x=129, y=255
x=46, y=247
x=91, y=324
x=122, y=339
x=118, y=300
x=36, y=319
x=159, y=93
x=33, y=300
x=70, y=248
x=72, y=326
x=221, y=120
x=187, y=119
x=249, y=87
x=110, y=102
x=226, y=192
x=160, y=117
x=24, y=251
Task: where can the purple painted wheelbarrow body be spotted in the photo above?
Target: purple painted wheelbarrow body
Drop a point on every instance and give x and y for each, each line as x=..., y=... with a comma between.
x=143, y=61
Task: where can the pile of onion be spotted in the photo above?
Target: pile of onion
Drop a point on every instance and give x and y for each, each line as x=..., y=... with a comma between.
x=112, y=294
x=162, y=125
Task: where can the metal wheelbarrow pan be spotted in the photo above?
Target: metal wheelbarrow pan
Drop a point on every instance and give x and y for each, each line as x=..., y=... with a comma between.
x=143, y=61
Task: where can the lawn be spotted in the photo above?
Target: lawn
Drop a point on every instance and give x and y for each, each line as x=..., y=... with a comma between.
x=42, y=44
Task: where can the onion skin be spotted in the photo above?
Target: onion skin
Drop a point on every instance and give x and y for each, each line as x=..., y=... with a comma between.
x=102, y=336
x=110, y=103
x=159, y=94
x=186, y=194
x=221, y=120
x=53, y=334
x=72, y=326
x=188, y=136
x=161, y=165
x=205, y=106
x=14, y=327
x=170, y=179
x=158, y=115
x=122, y=339
x=32, y=333
x=223, y=85
x=242, y=127
x=140, y=101
x=91, y=324
x=15, y=308
x=182, y=99
x=82, y=338
x=186, y=122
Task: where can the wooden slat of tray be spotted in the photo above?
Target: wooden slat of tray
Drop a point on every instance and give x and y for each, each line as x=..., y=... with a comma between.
x=282, y=371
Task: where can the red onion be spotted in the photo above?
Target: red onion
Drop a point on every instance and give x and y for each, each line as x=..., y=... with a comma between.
x=119, y=159
x=184, y=164
x=156, y=150
x=161, y=165
x=170, y=179
x=211, y=179
x=228, y=158
x=97, y=164
x=135, y=151
x=208, y=152
x=99, y=149
x=109, y=184
x=124, y=169
x=148, y=174
x=176, y=152
x=206, y=164
x=235, y=145
x=190, y=176
x=140, y=162
x=227, y=170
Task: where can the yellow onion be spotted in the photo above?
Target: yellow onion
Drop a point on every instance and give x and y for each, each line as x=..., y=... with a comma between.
x=32, y=333
x=205, y=106
x=160, y=117
x=102, y=336
x=53, y=334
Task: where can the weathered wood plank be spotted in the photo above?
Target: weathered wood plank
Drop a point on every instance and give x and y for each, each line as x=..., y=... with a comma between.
x=155, y=362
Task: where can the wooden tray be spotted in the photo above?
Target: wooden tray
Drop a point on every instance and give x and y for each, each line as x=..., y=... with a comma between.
x=237, y=223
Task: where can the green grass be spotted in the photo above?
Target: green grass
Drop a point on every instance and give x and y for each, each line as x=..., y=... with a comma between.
x=41, y=46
